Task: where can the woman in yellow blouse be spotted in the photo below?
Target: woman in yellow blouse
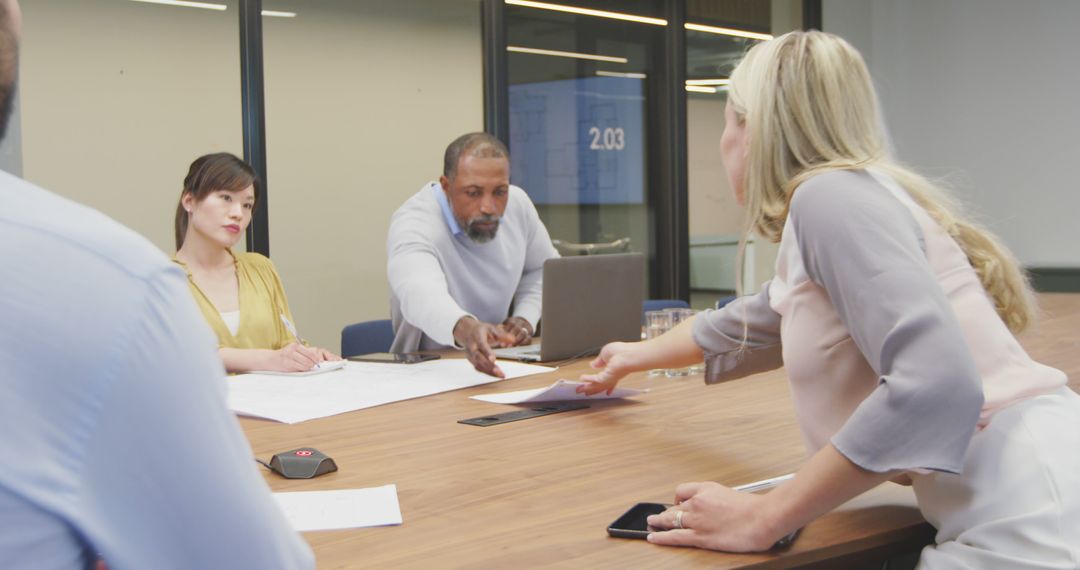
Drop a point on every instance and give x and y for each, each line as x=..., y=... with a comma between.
x=240, y=294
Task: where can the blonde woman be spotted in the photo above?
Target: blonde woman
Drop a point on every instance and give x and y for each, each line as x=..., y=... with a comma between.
x=895, y=317
x=240, y=295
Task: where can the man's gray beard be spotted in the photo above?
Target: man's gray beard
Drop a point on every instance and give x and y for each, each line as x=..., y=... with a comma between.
x=481, y=236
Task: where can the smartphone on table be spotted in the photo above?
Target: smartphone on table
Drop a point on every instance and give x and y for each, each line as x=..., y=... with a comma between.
x=633, y=524
x=393, y=357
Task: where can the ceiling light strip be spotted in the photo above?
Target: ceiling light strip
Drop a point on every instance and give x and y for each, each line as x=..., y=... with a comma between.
x=621, y=74
x=588, y=12
x=278, y=14
x=708, y=81
x=728, y=32
x=185, y=4
x=633, y=18
x=572, y=54
x=700, y=89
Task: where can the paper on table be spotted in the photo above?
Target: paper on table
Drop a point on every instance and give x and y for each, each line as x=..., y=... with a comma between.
x=347, y=508
x=358, y=385
x=324, y=366
x=560, y=391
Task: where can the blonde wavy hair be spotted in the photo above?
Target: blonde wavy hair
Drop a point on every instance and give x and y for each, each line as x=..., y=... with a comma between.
x=809, y=107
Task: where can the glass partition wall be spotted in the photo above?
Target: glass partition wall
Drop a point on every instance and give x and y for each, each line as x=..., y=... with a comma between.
x=585, y=90
x=718, y=33
x=580, y=90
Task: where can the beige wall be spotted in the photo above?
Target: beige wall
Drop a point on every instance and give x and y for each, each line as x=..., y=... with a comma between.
x=119, y=97
x=712, y=205
x=362, y=98
x=713, y=209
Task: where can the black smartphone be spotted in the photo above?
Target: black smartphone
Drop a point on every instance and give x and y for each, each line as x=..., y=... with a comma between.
x=393, y=357
x=786, y=541
x=632, y=523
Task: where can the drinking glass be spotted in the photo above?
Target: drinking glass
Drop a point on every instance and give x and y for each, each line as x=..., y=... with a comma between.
x=678, y=315
x=656, y=324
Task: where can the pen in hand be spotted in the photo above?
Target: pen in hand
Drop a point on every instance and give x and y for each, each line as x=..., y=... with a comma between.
x=303, y=343
x=292, y=329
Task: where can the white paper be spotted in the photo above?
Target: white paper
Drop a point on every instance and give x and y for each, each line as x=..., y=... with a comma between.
x=347, y=508
x=560, y=391
x=357, y=386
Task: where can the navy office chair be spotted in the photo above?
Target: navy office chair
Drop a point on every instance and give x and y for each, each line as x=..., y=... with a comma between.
x=661, y=304
x=724, y=300
x=366, y=337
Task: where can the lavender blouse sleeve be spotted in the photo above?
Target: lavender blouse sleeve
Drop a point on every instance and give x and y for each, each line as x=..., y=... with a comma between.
x=720, y=334
x=864, y=247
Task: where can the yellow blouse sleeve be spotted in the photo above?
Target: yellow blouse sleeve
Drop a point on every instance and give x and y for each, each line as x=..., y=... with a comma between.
x=262, y=304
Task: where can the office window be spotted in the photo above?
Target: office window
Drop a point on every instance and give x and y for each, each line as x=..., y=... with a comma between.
x=118, y=97
x=721, y=31
x=579, y=102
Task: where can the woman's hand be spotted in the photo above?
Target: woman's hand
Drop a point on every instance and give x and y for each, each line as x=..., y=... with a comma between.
x=615, y=361
x=673, y=349
x=326, y=355
x=719, y=518
x=715, y=517
x=294, y=357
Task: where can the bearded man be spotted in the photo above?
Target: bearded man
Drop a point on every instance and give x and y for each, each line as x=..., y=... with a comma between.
x=465, y=258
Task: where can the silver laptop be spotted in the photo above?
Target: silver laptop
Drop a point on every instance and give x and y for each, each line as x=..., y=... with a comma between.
x=588, y=301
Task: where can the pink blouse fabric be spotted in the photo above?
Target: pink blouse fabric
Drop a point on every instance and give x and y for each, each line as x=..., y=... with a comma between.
x=894, y=351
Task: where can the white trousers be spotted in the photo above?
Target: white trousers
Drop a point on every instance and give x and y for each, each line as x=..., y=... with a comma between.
x=1017, y=503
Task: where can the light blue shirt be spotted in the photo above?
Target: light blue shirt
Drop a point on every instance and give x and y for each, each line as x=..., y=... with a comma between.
x=115, y=439
x=447, y=211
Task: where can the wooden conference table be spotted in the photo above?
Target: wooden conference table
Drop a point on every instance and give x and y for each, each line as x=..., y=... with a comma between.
x=540, y=492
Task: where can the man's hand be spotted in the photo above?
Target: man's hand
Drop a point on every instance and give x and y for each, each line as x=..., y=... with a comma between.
x=519, y=329
x=477, y=338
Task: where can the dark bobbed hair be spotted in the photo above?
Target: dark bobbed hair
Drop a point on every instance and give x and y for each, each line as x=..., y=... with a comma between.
x=481, y=145
x=210, y=173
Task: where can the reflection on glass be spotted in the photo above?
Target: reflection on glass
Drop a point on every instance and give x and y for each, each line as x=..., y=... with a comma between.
x=579, y=141
x=715, y=218
x=579, y=135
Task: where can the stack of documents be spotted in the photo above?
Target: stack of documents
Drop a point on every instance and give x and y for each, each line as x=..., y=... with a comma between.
x=355, y=386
